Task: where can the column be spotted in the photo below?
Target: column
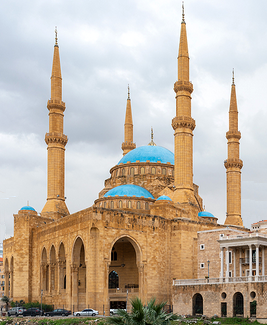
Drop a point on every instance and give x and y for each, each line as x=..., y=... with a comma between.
x=262, y=261
x=257, y=262
x=221, y=275
x=11, y=284
x=227, y=264
x=74, y=275
x=250, y=262
x=233, y=258
x=240, y=262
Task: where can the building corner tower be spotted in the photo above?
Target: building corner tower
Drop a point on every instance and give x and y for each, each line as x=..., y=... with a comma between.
x=183, y=125
x=233, y=165
x=128, y=143
x=56, y=141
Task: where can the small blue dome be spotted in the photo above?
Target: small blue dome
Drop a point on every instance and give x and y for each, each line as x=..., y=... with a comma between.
x=151, y=153
x=27, y=208
x=129, y=190
x=164, y=197
x=205, y=214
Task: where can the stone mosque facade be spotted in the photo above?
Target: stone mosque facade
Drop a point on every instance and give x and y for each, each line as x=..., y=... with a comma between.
x=147, y=234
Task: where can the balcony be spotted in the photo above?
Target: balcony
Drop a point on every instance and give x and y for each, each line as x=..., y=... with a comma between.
x=241, y=279
x=245, y=260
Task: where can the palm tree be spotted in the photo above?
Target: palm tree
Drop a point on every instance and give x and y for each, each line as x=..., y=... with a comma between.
x=6, y=300
x=143, y=315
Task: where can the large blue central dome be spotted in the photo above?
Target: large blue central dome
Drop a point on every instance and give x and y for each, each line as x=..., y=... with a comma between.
x=129, y=190
x=151, y=153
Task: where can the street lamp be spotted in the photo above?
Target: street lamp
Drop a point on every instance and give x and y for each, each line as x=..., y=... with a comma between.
x=208, y=269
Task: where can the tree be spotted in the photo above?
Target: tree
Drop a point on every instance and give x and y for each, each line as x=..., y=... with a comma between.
x=143, y=315
x=6, y=300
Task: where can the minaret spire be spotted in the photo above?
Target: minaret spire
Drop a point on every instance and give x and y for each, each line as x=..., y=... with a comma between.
x=183, y=125
x=152, y=143
x=233, y=164
x=56, y=141
x=128, y=144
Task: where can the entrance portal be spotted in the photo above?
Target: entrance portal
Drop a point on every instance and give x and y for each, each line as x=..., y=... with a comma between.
x=197, y=304
x=238, y=304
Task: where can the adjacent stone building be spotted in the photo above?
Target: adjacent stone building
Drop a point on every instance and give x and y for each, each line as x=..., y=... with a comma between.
x=146, y=229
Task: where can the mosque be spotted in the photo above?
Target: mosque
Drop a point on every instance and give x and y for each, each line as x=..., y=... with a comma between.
x=146, y=234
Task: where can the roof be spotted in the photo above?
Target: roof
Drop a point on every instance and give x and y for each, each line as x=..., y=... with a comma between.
x=130, y=191
x=205, y=214
x=164, y=197
x=27, y=208
x=152, y=154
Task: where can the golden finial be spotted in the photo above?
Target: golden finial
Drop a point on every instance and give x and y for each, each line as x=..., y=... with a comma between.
x=56, y=35
x=128, y=91
x=233, y=77
x=152, y=143
x=183, y=21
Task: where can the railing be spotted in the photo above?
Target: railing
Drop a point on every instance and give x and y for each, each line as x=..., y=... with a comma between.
x=260, y=278
x=123, y=290
x=245, y=260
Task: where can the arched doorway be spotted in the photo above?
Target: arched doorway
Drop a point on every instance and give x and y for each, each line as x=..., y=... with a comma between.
x=62, y=268
x=11, y=276
x=124, y=272
x=238, y=304
x=78, y=275
x=197, y=304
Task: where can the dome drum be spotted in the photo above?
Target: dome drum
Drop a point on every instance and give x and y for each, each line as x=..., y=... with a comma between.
x=125, y=203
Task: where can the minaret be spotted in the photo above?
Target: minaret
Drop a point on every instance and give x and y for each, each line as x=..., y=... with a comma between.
x=56, y=141
x=183, y=125
x=128, y=144
x=233, y=165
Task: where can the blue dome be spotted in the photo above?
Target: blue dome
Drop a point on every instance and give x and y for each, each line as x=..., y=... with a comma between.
x=164, y=197
x=27, y=208
x=151, y=153
x=129, y=190
x=205, y=214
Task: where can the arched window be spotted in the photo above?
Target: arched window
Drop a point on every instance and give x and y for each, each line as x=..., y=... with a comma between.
x=132, y=171
x=114, y=255
x=65, y=282
x=153, y=170
x=123, y=172
x=146, y=206
x=129, y=204
x=112, y=205
x=163, y=171
x=138, y=205
x=120, y=204
x=142, y=170
x=105, y=204
x=113, y=280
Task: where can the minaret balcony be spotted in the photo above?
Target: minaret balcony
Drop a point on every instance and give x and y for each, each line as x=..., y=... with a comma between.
x=183, y=122
x=55, y=103
x=233, y=135
x=234, y=163
x=183, y=86
x=55, y=137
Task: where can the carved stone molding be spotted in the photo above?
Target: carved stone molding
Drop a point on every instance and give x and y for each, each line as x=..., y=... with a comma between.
x=128, y=145
x=57, y=104
x=183, y=85
x=54, y=137
x=183, y=122
x=233, y=162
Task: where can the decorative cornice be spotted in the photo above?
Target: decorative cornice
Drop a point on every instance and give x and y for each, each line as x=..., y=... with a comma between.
x=55, y=103
x=233, y=135
x=183, y=122
x=234, y=163
x=54, y=137
x=183, y=85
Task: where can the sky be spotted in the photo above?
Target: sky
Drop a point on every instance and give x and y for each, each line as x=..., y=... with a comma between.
x=106, y=45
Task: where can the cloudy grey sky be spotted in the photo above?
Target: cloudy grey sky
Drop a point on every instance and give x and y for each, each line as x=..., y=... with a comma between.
x=104, y=45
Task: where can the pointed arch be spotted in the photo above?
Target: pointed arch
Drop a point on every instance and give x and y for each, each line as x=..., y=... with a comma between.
x=44, y=270
x=11, y=276
x=62, y=278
